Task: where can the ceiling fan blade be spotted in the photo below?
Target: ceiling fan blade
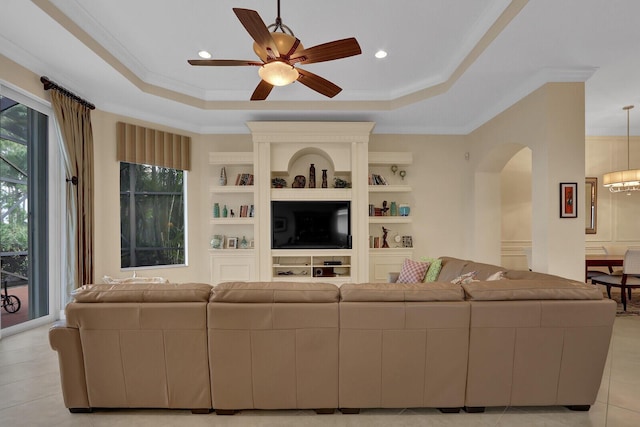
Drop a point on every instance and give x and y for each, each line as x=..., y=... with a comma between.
x=327, y=52
x=257, y=30
x=262, y=91
x=222, y=62
x=317, y=83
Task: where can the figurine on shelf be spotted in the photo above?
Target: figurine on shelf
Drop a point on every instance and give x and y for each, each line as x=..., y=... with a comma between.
x=385, y=231
x=385, y=209
x=233, y=215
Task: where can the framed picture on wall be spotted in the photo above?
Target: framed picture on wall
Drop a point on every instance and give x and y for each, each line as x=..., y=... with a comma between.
x=568, y=200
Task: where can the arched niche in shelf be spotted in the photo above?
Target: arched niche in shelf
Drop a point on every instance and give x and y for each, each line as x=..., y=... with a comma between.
x=301, y=160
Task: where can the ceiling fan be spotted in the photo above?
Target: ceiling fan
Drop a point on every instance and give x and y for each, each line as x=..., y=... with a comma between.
x=279, y=52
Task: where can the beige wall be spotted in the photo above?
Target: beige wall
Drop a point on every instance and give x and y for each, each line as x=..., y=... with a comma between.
x=516, y=212
x=550, y=121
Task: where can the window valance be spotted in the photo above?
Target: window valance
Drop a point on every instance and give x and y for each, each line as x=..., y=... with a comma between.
x=138, y=144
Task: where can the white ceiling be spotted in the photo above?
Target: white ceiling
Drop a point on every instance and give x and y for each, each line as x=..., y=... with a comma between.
x=452, y=64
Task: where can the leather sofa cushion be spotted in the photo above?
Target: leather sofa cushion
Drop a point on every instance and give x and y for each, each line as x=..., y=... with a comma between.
x=270, y=292
x=552, y=289
x=433, y=291
x=451, y=268
x=454, y=267
x=143, y=292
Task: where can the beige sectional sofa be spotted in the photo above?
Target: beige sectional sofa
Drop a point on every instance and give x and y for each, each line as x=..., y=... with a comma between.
x=531, y=339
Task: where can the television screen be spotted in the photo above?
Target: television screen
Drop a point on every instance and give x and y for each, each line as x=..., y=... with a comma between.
x=311, y=224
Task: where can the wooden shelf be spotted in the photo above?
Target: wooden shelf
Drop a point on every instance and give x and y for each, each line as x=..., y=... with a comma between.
x=311, y=194
x=390, y=220
x=389, y=189
x=226, y=189
x=233, y=221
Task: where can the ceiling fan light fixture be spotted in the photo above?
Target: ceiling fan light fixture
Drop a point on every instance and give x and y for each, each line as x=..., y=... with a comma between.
x=204, y=54
x=278, y=73
x=284, y=42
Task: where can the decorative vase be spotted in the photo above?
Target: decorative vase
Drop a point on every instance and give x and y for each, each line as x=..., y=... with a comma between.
x=394, y=209
x=216, y=210
x=312, y=176
x=216, y=242
x=299, y=181
x=404, y=210
x=324, y=178
x=243, y=243
x=223, y=176
x=224, y=211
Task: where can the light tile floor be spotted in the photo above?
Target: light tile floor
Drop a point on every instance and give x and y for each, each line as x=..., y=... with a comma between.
x=30, y=396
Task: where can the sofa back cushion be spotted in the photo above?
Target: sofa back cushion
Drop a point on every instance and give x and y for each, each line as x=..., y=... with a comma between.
x=551, y=289
x=143, y=292
x=272, y=292
x=435, y=291
x=451, y=268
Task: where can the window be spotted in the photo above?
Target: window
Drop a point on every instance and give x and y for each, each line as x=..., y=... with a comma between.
x=152, y=215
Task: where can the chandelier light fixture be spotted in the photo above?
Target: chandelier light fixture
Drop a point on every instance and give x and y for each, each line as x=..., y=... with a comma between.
x=624, y=181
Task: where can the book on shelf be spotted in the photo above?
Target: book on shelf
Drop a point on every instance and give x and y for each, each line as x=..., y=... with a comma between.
x=376, y=179
x=244, y=179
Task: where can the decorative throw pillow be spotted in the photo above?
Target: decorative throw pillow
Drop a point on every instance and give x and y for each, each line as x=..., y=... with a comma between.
x=412, y=271
x=465, y=278
x=498, y=275
x=435, y=265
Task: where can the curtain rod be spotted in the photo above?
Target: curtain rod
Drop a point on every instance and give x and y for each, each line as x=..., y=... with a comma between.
x=48, y=84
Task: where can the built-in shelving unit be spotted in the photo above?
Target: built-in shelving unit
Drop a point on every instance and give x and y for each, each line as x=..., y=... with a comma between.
x=230, y=264
x=312, y=266
x=286, y=150
x=398, y=191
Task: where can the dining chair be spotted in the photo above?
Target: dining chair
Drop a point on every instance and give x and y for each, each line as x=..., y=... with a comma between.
x=627, y=281
x=616, y=250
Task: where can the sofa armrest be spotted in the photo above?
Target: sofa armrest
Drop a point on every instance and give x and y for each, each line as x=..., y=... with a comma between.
x=66, y=341
x=392, y=276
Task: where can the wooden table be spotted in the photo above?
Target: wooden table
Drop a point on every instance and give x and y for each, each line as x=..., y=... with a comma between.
x=602, y=261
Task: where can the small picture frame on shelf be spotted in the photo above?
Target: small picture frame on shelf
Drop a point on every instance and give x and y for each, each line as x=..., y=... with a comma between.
x=232, y=243
x=252, y=244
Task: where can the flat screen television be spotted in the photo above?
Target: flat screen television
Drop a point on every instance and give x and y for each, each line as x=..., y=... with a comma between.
x=311, y=224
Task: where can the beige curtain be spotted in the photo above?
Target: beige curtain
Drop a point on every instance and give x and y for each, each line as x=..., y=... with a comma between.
x=138, y=144
x=74, y=121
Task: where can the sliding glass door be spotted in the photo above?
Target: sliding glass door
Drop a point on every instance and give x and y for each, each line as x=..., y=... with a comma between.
x=24, y=277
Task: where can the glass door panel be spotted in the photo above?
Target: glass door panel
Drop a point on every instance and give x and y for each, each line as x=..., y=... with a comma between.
x=23, y=213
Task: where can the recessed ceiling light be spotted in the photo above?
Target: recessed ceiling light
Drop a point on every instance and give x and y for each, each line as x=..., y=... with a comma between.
x=381, y=54
x=204, y=54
